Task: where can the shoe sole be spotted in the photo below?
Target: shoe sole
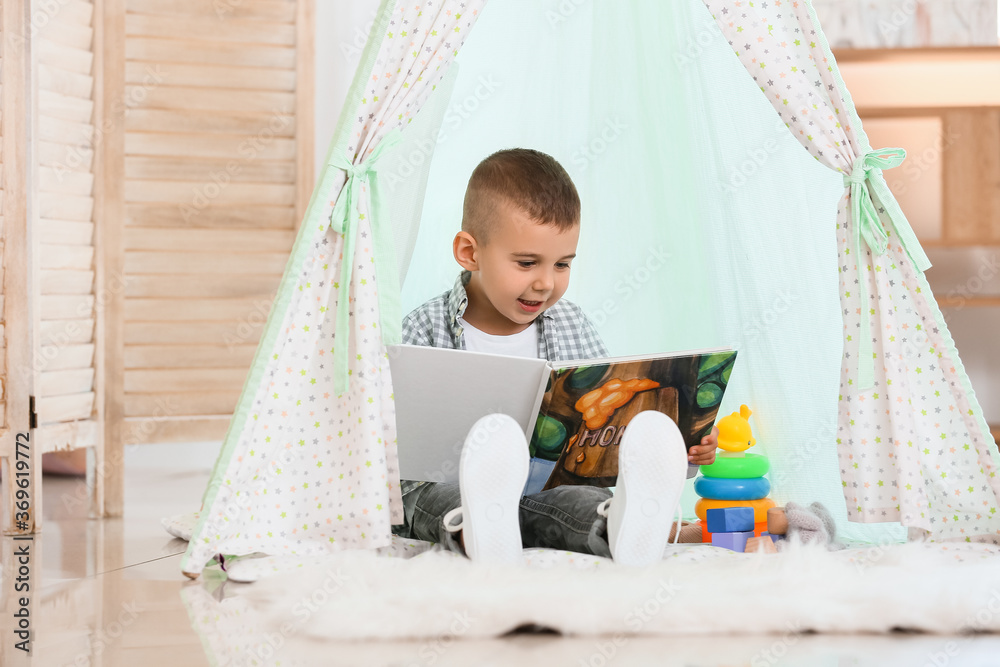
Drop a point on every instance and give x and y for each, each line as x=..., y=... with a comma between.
x=652, y=467
x=493, y=470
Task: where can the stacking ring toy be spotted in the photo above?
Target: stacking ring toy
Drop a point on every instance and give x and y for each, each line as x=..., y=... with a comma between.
x=732, y=489
x=760, y=507
x=737, y=467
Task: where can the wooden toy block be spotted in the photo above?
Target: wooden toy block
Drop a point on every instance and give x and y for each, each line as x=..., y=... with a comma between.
x=733, y=541
x=729, y=519
x=777, y=522
x=774, y=538
x=761, y=545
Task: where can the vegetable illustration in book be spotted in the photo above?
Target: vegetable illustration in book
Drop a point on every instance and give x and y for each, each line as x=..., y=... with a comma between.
x=586, y=410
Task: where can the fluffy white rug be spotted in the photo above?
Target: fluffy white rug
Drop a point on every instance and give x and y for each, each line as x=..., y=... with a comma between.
x=935, y=588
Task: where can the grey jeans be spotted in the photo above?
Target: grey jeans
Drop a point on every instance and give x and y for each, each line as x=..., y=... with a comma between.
x=563, y=518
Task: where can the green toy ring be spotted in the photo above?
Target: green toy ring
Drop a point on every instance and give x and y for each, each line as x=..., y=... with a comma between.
x=743, y=467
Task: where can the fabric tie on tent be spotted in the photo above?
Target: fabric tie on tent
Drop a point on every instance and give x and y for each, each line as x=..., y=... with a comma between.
x=868, y=226
x=912, y=441
x=309, y=465
x=343, y=222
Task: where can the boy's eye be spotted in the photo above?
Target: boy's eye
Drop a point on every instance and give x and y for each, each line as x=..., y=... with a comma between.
x=525, y=263
x=563, y=265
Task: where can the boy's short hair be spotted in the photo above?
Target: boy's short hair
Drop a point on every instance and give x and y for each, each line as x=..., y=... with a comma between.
x=527, y=179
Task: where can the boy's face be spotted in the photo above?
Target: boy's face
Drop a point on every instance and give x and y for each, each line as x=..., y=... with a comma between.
x=522, y=270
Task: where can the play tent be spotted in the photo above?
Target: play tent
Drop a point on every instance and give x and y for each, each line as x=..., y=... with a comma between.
x=704, y=223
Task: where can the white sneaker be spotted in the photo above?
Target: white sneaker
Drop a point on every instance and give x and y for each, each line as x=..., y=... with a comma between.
x=652, y=467
x=491, y=476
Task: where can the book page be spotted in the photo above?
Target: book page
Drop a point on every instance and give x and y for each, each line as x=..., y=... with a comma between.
x=586, y=410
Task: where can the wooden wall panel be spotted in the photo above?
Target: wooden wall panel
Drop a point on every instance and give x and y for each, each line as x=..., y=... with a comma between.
x=109, y=157
x=18, y=116
x=972, y=176
x=212, y=198
x=65, y=224
x=3, y=339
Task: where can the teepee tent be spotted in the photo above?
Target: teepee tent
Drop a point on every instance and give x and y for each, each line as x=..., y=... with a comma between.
x=861, y=400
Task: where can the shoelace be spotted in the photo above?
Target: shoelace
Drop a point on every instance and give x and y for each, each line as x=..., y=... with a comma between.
x=602, y=509
x=450, y=516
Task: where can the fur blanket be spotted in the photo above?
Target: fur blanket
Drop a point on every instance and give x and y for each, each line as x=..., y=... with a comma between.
x=935, y=588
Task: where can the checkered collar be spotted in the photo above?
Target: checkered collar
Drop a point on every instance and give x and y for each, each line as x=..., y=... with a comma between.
x=458, y=301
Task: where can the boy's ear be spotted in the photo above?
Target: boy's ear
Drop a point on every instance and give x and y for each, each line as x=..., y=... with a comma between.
x=466, y=250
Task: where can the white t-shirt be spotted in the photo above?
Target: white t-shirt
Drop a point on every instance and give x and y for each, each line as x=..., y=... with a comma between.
x=523, y=344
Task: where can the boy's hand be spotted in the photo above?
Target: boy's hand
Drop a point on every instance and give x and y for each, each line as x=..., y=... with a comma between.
x=704, y=454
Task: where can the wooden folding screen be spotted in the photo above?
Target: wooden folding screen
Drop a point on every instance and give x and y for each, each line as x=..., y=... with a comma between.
x=18, y=306
x=63, y=228
x=153, y=150
x=48, y=253
x=211, y=183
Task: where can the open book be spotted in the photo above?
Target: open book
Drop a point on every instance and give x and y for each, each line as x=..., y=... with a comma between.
x=574, y=413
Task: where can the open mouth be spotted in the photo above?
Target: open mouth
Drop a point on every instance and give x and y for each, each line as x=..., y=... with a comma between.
x=530, y=306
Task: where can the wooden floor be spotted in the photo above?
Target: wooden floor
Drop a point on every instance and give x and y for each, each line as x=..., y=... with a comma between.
x=111, y=593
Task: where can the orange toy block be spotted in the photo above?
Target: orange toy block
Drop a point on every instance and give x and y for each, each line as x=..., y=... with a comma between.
x=760, y=507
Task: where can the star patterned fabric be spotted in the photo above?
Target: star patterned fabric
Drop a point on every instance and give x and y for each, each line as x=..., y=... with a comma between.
x=306, y=470
x=911, y=439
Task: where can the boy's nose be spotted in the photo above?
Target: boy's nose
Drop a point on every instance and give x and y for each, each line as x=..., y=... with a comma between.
x=544, y=282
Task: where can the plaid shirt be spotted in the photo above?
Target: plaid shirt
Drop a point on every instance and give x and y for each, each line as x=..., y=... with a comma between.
x=564, y=332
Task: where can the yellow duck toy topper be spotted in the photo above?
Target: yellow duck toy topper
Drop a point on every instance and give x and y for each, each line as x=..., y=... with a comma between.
x=734, y=431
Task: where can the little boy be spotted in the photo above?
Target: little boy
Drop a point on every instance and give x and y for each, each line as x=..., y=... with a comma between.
x=520, y=227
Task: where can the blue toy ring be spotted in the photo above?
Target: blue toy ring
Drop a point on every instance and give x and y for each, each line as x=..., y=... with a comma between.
x=732, y=489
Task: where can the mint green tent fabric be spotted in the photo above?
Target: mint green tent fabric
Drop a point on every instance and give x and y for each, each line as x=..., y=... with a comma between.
x=704, y=222
x=911, y=438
